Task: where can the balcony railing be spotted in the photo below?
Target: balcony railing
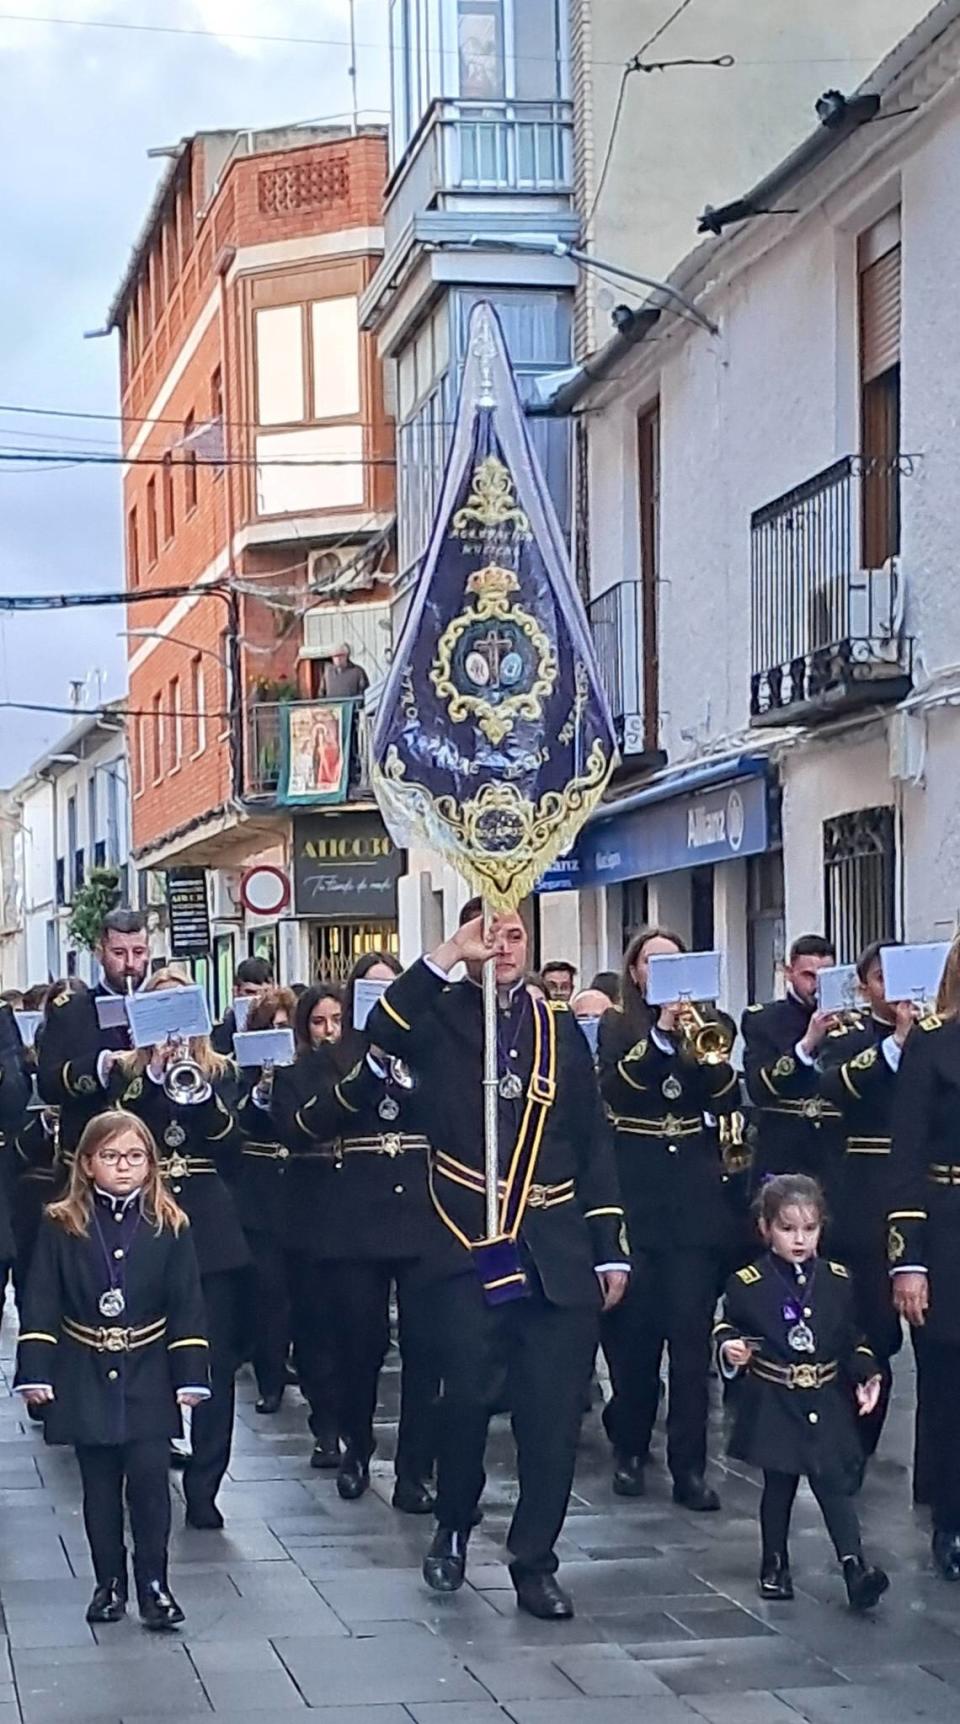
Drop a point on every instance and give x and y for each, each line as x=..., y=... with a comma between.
x=263, y=755
x=481, y=147
x=614, y=619
x=827, y=632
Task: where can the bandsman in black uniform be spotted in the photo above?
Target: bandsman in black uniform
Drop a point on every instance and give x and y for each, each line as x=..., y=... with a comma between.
x=73, y=1064
x=195, y=1129
x=112, y=1343
x=252, y=978
x=562, y=1237
x=924, y=1244
x=261, y=1205
x=859, y=1063
x=795, y=1130
x=679, y=1223
x=366, y=1119
x=14, y=1095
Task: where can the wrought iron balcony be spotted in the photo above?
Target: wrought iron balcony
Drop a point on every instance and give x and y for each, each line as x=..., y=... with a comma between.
x=614, y=619
x=267, y=728
x=827, y=594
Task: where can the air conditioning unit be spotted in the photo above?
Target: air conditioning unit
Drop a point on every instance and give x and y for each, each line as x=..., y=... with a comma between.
x=325, y=568
x=223, y=885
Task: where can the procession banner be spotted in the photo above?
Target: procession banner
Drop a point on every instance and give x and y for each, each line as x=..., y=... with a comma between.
x=315, y=755
x=493, y=739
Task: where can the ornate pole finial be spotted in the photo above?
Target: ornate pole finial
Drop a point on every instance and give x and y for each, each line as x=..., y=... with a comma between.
x=483, y=349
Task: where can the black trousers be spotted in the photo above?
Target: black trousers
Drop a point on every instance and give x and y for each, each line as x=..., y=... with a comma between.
x=670, y=1302
x=143, y=1466
x=535, y=1358
x=270, y=1312
x=359, y=1306
x=939, y=1372
x=211, y=1426
x=776, y=1504
x=309, y=1283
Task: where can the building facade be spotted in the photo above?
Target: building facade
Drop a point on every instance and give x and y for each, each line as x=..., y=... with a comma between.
x=258, y=490
x=781, y=484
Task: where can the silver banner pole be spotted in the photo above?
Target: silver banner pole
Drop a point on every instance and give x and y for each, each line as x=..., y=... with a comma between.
x=491, y=1156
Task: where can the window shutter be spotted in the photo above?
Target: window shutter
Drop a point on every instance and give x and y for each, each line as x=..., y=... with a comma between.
x=880, y=298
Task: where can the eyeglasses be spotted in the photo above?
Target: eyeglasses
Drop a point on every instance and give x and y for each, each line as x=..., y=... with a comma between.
x=132, y=1157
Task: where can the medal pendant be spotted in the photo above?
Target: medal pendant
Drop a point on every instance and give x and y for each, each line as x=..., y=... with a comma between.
x=401, y=1074
x=174, y=1136
x=510, y=1087
x=800, y=1338
x=111, y=1303
x=389, y=1108
x=671, y=1088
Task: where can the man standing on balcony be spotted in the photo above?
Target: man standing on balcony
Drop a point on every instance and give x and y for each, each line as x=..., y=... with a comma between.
x=342, y=679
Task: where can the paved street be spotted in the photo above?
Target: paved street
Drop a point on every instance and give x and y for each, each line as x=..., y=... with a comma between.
x=308, y=1602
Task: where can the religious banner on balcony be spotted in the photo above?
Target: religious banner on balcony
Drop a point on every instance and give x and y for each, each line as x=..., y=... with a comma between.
x=493, y=738
x=316, y=739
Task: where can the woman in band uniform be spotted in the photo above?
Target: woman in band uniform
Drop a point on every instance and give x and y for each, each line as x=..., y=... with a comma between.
x=196, y=1131
x=261, y=1203
x=678, y=1222
x=373, y=1212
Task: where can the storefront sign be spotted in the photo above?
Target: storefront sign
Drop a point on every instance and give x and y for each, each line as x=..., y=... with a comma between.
x=686, y=831
x=345, y=868
x=188, y=910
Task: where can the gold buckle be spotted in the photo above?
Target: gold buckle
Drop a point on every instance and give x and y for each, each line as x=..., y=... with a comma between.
x=805, y=1376
x=177, y=1167
x=671, y=1125
x=112, y=1340
x=392, y=1144
x=537, y=1197
x=813, y=1108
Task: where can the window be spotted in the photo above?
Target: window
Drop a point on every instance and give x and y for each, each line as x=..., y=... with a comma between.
x=176, y=725
x=166, y=477
x=156, y=738
x=537, y=49
x=133, y=550
x=280, y=391
x=92, y=832
x=190, y=465
x=226, y=659
x=879, y=319
x=335, y=331
x=151, y=520
x=113, y=813
x=198, y=723
x=218, y=419
x=480, y=45
x=859, y=866
x=766, y=923
x=140, y=756
x=648, y=464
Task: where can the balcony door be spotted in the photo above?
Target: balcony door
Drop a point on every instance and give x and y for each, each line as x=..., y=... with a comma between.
x=879, y=331
x=648, y=471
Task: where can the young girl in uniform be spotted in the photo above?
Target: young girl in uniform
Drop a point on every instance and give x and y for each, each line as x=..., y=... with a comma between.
x=789, y=1329
x=112, y=1344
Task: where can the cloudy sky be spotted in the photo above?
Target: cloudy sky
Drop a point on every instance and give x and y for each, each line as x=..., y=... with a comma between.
x=80, y=108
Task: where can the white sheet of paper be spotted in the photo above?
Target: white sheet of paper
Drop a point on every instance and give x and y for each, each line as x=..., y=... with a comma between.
x=688, y=976
x=591, y=1029
x=28, y=1023
x=838, y=988
x=913, y=972
x=169, y=1014
x=258, y=1047
x=112, y=1011
x=241, y=1010
x=365, y=996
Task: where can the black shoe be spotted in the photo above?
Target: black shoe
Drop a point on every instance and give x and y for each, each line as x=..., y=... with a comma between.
x=37, y=1414
x=445, y=1563
x=353, y=1478
x=159, y=1609
x=693, y=1492
x=326, y=1455
x=865, y=1586
x=775, y=1584
x=412, y=1496
x=946, y=1554
x=204, y=1517
x=269, y=1403
x=108, y=1603
x=542, y=1595
x=628, y=1476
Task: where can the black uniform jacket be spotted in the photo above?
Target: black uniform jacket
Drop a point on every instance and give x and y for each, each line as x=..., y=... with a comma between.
x=114, y=1378
x=573, y=1219
x=39, y=1175
x=68, y=1052
x=260, y=1189
x=796, y=1130
x=14, y=1095
x=924, y=1217
x=794, y=1411
x=856, y=1078
x=668, y=1161
x=199, y=1145
x=368, y=1178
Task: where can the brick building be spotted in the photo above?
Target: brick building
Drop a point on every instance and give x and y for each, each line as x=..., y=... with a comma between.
x=259, y=488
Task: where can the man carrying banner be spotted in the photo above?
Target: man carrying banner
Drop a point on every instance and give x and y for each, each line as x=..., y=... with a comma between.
x=493, y=744
x=558, y=1197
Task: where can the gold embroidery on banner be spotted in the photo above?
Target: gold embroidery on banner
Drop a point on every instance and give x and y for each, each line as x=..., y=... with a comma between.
x=491, y=503
x=493, y=586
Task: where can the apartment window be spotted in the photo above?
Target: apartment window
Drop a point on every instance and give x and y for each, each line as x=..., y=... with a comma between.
x=480, y=50
x=218, y=418
x=133, y=550
x=190, y=465
x=140, y=756
x=151, y=520
x=157, y=738
x=226, y=659
x=648, y=467
x=859, y=868
x=92, y=813
x=198, y=723
x=538, y=50
x=166, y=480
x=879, y=276
x=113, y=813
x=176, y=724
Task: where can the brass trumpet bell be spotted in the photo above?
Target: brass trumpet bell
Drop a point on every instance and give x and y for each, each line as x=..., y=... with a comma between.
x=708, y=1039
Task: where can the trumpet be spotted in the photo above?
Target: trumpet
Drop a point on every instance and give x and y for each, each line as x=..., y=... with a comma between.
x=264, y=1084
x=183, y=1078
x=708, y=1038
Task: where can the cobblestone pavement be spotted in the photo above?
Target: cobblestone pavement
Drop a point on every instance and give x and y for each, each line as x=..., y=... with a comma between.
x=306, y=1602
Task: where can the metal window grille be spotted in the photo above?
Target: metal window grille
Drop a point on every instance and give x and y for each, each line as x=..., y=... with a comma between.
x=858, y=878
x=338, y=945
